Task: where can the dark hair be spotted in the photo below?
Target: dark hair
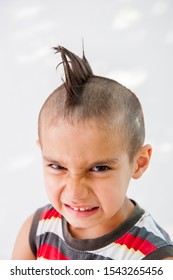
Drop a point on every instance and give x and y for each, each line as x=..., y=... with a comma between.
x=84, y=96
x=77, y=71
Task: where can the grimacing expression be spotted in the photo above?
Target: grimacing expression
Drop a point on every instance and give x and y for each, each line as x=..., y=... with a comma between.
x=86, y=175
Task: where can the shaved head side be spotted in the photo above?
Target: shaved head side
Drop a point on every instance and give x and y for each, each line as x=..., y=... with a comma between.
x=84, y=96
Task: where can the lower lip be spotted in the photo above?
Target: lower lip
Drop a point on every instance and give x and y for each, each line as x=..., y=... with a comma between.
x=79, y=213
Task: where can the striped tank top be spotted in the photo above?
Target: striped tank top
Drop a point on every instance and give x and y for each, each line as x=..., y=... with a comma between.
x=137, y=238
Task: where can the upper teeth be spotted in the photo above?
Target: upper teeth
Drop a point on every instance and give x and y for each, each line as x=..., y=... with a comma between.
x=80, y=209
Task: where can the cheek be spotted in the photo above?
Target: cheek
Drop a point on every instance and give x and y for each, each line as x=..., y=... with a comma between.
x=112, y=192
x=53, y=184
x=54, y=189
x=112, y=197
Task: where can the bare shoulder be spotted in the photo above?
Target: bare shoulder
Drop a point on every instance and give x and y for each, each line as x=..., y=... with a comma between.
x=22, y=250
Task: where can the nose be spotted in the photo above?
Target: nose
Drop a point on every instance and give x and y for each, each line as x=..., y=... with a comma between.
x=76, y=188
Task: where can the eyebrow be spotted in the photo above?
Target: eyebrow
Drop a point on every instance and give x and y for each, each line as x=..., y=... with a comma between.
x=50, y=160
x=106, y=161
x=100, y=162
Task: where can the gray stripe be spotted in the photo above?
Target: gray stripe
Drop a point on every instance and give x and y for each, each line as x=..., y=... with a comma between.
x=149, y=236
x=55, y=241
x=160, y=253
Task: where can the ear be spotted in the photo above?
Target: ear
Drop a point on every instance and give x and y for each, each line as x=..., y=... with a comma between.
x=141, y=161
x=38, y=143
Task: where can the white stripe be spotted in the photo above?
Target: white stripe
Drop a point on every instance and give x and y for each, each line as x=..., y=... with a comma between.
x=119, y=252
x=50, y=225
x=148, y=223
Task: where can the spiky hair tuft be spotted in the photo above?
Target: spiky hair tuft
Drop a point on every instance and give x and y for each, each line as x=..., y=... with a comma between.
x=77, y=71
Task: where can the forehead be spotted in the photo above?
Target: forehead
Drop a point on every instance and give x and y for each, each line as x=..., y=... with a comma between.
x=85, y=140
x=88, y=129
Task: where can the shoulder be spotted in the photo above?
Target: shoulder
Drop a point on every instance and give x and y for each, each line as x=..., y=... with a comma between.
x=169, y=258
x=23, y=247
x=156, y=233
x=156, y=240
x=22, y=250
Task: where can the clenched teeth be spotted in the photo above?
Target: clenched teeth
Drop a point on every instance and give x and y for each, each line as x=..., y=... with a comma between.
x=81, y=209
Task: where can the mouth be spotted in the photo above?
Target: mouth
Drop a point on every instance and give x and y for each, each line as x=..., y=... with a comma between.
x=82, y=209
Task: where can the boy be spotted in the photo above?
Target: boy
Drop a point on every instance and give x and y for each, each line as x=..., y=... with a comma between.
x=91, y=135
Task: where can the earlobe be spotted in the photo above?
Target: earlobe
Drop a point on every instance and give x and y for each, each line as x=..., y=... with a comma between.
x=142, y=160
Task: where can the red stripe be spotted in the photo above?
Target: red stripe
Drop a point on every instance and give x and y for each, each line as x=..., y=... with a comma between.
x=136, y=243
x=49, y=252
x=48, y=214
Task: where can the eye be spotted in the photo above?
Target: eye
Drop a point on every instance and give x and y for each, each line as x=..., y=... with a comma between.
x=56, y=167
x=101, y=168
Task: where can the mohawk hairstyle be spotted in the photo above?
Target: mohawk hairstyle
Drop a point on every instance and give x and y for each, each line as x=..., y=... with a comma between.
x=77, y=71
x=84, y=96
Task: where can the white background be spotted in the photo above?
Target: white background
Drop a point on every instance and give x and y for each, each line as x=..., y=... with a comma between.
x=128, y=40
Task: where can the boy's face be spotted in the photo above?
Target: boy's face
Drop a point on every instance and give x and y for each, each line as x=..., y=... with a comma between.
x=87, y=174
